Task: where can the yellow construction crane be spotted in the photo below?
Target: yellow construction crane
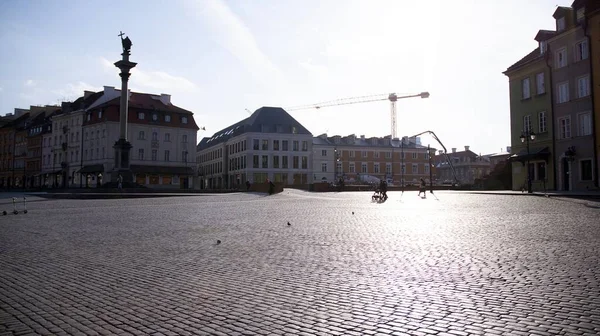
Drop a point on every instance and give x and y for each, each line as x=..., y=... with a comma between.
x=392, y=97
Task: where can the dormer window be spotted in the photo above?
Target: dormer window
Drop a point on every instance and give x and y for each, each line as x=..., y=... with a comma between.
x=184, y=120
x=154, y=117
x=167, y=118
x=543, y=47
x=100, y=114
x=580, y=14
x=141, y=115
x=560, y=24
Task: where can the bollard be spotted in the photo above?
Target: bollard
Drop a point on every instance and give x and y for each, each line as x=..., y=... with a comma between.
x=15, y=211
x=24, y=204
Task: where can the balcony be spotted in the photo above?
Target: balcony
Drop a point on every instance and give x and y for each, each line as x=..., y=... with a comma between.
x=154, y=144
x=65, y=129
x=64, y=164
x=64, y=146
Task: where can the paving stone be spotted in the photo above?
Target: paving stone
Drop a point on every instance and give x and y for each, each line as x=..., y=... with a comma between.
x=462, y=265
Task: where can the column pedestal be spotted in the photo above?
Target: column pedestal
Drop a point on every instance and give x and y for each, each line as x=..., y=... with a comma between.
x=122, y=158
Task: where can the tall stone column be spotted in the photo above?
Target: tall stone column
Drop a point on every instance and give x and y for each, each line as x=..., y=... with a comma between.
x=122, y=147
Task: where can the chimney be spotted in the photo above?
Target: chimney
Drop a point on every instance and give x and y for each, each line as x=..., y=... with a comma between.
x=508, y=148
x=362, y=137
x=165, y=98
x=86, y=94
x=440, y=152
x=109, y=91
x=467, y=148
x=453, y=150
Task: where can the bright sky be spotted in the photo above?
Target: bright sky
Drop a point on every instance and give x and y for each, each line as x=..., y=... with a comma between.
x=218, y=58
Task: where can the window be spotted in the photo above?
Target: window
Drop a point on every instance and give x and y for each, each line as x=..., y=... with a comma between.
x=561, y=58
x=99, y=116
x=581, y=51
x=255, y=144
x=264, y=128
x=376, y=155
x=388, y=155
x=351, y=167
x=184, y=120
x=103, y=133
x=265, y=161
x=140, y=116
x=352, y=154
x=586, y=169
x=275, y=161
x=276, y=145
x=584, y=123
x=89, y=117
x=304, y=146
x=540, y=83
x=414, y=155
x=543, y=47
x=140, y=135
x=167, y=137
x=323, y=152
x=154, y=117
x=265, y=145
x=154, y=136
x=415, y=168
x=255, y=161
x=525, y=88
x=305, y=162
x=184, y=138
x=296, y=146
x=563, y=92
x=583, y=86
x=167, y=154
x=154, y=154
x=295, y=162
x=364, y=154
x=564, y=125
x=376, y=168
x=527, y=123
x=279, y=128
x=363, y=167
x=294, y=130
x=560, y=24
x=580, y=14
x=339, y=167
x=542, y=122
x=284, y=162
x=284, y=145
x=141, y=154
x=388, y=168
x=167, y=118
x=323, y=167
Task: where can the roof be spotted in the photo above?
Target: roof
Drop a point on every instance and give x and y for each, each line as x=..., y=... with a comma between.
x=531, y=57
x=264, y=120
x=145, y=101
x=560, y=10
x=354, y=141
x=544, y=35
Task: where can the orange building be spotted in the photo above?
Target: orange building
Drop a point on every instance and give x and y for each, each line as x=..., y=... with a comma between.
x=360, y=159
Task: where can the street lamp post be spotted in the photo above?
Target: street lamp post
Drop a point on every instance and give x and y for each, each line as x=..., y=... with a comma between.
x=525, y=136
x=402, y=164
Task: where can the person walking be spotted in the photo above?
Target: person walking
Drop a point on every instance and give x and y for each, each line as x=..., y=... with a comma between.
x=423, y=188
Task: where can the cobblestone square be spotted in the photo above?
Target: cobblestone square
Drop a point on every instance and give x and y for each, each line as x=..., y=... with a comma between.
x=451, y=264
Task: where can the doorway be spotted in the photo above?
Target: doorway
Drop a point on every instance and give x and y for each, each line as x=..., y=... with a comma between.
x=565, y=175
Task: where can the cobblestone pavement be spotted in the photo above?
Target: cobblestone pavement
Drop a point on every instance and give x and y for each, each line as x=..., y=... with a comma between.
x=452, y=264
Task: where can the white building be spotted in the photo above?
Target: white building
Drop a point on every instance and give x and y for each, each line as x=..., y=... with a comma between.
x=270, y=144
x=162, y=136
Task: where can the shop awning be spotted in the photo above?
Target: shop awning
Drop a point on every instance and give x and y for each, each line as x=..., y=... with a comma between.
x=161, y=170
x=539, y=153
x=92, y=169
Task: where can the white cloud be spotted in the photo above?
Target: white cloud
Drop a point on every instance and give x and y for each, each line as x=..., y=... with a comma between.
x=233, y=35
x=30, y=83
x=152, y=80
x=72, y=91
